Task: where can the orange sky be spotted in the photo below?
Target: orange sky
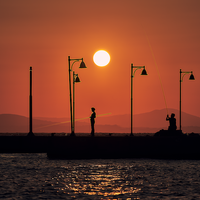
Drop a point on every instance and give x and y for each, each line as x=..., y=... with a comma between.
x=42, y=34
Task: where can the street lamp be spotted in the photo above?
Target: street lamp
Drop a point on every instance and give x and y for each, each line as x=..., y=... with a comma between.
x=82, y=65
x=132, y=75
x=181, y=80
x=75, y=80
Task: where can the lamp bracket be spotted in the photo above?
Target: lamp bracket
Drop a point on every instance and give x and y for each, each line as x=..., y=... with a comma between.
x=75, y=60
x=184, y=73
x=136, y=68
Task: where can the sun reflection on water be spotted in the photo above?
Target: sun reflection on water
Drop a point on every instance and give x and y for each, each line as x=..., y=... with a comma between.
x=96, y=180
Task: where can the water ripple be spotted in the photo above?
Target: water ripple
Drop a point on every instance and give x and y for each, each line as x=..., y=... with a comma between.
x=33, y=176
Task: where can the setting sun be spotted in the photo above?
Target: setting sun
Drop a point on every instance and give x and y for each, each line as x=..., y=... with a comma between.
x=101, y=58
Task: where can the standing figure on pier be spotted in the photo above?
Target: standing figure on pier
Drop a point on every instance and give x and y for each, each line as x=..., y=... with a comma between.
x=92, y=120
x=172, y=122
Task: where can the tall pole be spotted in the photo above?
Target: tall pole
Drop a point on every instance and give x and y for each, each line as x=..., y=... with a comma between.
x=73, y=102
x=131, y=99
x=70, y=96
x=181, y=79
x=30, y=104
x=132, y=75
x=180, y=101
x=82, y=65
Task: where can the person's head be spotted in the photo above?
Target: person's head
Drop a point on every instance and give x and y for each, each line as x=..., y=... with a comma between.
x=172, y=115
x=93, y=109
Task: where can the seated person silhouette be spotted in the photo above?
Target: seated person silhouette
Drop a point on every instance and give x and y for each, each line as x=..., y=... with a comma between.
x=92, y=120
x=172, y=122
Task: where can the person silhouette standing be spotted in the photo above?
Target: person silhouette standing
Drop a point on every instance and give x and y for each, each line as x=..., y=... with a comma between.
x=172, y=122
x=92, y=120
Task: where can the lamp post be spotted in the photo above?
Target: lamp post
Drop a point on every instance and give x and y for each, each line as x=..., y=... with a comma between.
x=30, y=106
x=132, y=75
x=75, y=80
x=181, y=80
x=82, y=65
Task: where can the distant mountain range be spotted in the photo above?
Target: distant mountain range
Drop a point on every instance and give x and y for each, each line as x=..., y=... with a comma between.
x=149, y=122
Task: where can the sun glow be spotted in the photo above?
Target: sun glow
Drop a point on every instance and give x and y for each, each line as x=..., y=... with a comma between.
x=101, y=58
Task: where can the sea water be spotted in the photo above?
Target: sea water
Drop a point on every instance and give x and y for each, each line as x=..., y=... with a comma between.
x=34, y=176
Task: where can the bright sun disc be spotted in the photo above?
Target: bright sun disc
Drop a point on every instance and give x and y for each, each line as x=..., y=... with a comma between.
x=101, y=58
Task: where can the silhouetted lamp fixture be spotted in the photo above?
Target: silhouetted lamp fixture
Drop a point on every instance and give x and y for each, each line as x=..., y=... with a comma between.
x=144, y=72
x=82, y=65
x=191, y=77
x=77, y=79
x=181, y=80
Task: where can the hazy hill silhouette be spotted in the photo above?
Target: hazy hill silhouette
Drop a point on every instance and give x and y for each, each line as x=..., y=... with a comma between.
x=149, y=122
x=16, y=123
x=153, y=119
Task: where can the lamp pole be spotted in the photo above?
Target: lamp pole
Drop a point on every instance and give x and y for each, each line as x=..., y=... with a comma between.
x=132, y=75
x=180, y=103
x=181, y=80
x=82, y=65
x=70, y=94
x=30, y=104
x=75, y=80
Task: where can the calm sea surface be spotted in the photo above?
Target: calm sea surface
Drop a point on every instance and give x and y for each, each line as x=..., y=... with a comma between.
x=34, y=176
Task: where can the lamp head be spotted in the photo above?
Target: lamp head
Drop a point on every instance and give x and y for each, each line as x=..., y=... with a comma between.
x=82, y=65
x=191, y=77
x=77, y=79
x=144, y=72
